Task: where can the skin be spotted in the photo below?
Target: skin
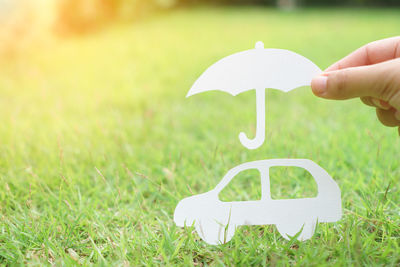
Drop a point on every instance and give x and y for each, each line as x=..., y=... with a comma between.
x=371, y=73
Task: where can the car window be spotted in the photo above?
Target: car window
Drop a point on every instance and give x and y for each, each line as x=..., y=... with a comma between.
x=291, y=182
x=245, y=186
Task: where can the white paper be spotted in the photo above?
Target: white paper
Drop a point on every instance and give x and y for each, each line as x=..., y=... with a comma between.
x=257, y=69
x=216, y=221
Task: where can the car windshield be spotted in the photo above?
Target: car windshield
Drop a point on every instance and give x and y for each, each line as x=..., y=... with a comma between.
x=244, y=186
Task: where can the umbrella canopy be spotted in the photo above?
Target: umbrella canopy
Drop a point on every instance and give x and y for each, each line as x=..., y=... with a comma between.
x=257, y=69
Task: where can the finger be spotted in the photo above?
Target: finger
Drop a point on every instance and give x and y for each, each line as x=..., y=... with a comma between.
x=372, y=53
x=387, y=117
x=374, y=102
x=367, y=100
x=397, y=114
x=380, y=81
x=379, y=103
x=382, y=104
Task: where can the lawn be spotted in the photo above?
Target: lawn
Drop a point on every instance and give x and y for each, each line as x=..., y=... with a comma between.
x=98, y=143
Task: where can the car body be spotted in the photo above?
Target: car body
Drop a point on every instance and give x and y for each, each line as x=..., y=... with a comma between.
x=216, y=221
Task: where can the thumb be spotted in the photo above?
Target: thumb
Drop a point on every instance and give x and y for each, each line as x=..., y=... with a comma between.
x=380, y=81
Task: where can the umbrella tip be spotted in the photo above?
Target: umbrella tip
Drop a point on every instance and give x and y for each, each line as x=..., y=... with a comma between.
x=259, y=45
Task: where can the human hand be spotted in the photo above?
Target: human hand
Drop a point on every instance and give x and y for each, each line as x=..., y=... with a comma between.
x=371, y=73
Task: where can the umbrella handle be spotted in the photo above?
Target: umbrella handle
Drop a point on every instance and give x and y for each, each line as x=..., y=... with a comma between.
x=258, y=140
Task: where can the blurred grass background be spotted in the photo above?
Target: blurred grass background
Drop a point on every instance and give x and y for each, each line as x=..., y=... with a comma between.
x=98, y=143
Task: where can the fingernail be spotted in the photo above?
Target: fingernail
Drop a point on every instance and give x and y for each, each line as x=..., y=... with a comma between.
x=385, y=105
x=397, y=115
x=381, y=104
x=318, y=84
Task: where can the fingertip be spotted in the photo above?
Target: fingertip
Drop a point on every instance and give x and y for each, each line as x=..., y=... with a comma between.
x=384, y=104
x=319, y=85
x=367, y=100
x=377, y=103
x=397, y=114
x=387, y=117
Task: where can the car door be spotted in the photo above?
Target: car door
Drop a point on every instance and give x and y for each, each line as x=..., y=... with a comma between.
x=242, y=211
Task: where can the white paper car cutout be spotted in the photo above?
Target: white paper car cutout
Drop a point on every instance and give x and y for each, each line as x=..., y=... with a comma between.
x=216, y=221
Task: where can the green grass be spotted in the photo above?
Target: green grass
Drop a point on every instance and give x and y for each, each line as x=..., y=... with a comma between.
x=98, y=143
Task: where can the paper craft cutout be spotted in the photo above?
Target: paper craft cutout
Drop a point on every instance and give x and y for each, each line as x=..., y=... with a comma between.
x=216, y=221
x=257, y=69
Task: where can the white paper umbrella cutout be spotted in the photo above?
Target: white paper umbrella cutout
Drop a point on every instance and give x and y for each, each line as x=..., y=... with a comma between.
x=257, y=69
x=216, y=221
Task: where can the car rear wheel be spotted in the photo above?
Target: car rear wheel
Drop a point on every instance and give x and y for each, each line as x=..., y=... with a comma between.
x=289, y=229
x=213, y=232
